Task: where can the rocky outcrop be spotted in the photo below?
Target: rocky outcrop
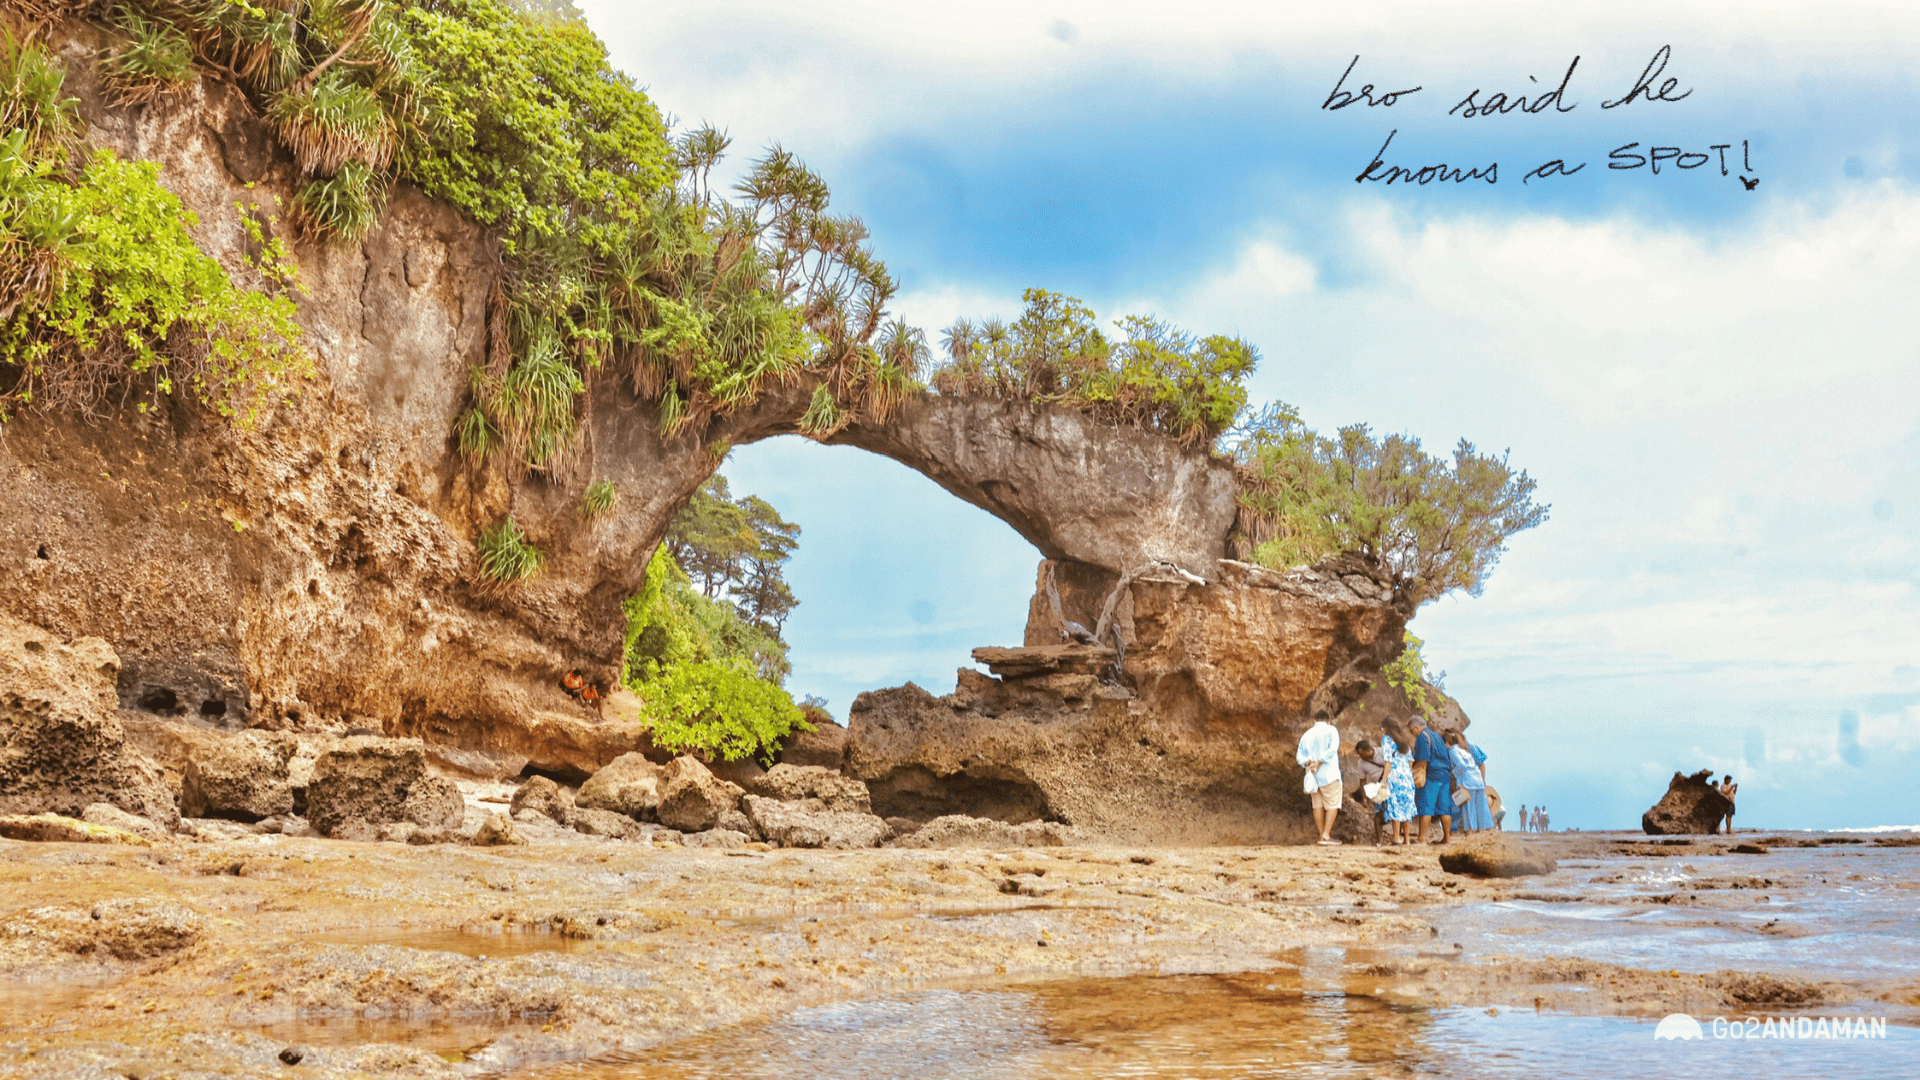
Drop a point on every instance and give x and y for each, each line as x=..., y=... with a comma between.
x=62, y=747
x=1491, y=855
x=629, y=784
x=825, y=745
x=241, y=777
x=318, y=571
x=961, y=831
x=1691, y=805
x=797, y=782
x=1190, y=740
x=808, y=824
x=542, y=796
x=692, y=799
x=367, y=781
x=1081, y=491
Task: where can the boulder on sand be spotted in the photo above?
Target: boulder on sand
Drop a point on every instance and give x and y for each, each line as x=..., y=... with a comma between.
x=629, y=784
x=692, y=798
x=808, y=824
x=372, y=780
x=62, y=748
x=1691, y=805
x=792, y=783
x=1492, y=855
x=542, y=795
x=241, y=777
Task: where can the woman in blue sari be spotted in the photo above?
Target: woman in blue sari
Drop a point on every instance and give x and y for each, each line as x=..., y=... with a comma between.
x=1398, y=809
x=1474, y=814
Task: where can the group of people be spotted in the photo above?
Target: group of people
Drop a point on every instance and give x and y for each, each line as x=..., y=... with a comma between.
x=1441, y=776
x=1536, y=821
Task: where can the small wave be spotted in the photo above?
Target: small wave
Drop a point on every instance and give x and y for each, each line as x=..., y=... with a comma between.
x=1879, y=829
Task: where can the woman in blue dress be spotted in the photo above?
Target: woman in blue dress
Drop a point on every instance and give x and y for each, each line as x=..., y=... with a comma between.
x=1474, y=814
x=1399, y=805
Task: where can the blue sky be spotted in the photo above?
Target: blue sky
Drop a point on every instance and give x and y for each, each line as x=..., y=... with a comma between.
x=1717, y=388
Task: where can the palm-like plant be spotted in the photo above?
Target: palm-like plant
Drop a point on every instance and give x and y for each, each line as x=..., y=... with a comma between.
x=157, y=59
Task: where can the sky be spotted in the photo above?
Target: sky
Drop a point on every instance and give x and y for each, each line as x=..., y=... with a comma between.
x=1710, y=370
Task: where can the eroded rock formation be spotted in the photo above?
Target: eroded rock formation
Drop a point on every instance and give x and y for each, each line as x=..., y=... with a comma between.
x=1691, y=805
x=319, y=571
x=1185, y=735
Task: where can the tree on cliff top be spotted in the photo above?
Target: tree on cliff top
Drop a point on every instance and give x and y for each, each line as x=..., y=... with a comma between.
x=1433, y=525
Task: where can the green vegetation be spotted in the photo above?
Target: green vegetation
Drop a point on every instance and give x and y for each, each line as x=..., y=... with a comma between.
x=1408, y=674
x=600, y=498
x=735, y=549
x=506, y=555
x=703, y=643
x=710, y=679
x=100, y=278
x=1434, y=526
x=1153, y=376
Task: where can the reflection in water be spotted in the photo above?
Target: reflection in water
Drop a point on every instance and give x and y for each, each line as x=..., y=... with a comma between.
x=451, y=1038
x=25, y=1003
x=1311, y=1019
x=493, y=945
x=1816, y=913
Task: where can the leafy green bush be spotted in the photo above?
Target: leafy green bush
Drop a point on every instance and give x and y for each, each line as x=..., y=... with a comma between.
x=101, y=284
x=722, y=710
x=710, y=680
x=1408, y=674
x=1434, y=526
x=1154, y=377
x=506, y=555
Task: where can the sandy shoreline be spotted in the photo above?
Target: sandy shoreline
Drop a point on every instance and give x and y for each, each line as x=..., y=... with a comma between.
x=574, y=946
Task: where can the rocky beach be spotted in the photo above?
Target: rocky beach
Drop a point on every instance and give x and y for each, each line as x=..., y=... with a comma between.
x=226, y=952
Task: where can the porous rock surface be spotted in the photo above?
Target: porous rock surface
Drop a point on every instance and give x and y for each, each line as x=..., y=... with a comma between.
x=1691, y=805
x=62, y=747
x=961, y=831
x=794, y=782
x=541, y=795
x=629, y=784
x=1491, y=855
x=809, y=824
x=241, y=777
x=692, y=798
x=368, y=781
x=1190, y=740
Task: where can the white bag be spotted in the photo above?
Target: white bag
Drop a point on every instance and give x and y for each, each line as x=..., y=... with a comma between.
x=1376, y=792
x=1307, y=784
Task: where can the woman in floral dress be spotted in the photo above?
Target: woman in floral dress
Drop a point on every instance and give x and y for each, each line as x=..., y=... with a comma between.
x=1399, y=804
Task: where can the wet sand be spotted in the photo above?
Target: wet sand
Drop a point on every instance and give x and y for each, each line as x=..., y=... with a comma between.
x=380, y=959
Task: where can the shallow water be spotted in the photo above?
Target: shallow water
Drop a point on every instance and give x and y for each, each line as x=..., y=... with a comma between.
x=479, y=945
x=1317, y=1021
x=1844, y=912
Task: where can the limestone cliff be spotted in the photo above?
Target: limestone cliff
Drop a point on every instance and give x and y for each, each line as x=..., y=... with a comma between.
x=320, y=569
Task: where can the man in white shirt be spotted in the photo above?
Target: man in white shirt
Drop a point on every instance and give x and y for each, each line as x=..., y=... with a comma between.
x=1319, y=755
